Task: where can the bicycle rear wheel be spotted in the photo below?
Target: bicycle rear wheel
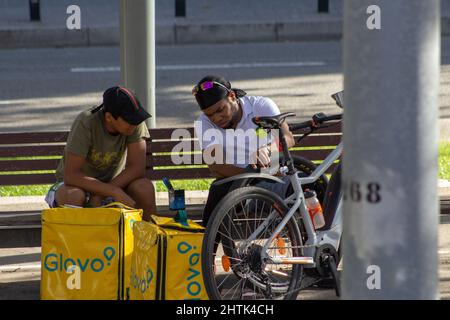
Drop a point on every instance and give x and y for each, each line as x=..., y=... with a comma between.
x=232, y=266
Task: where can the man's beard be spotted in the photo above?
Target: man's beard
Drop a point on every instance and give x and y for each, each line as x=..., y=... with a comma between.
x=233, y=120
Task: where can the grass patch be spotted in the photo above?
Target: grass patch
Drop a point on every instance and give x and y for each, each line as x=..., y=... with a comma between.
x=40, y=190
x=444, y=160
x=31, y=190
x=200, y=184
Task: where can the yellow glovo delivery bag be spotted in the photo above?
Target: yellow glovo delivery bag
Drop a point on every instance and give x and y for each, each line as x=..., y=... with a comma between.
x=86, y=252
x=167, y=260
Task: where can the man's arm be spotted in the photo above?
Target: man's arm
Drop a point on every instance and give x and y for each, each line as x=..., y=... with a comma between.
x=290, y=141
x=262, y=155
x=220, y=170
x=74, y=176
x=263, y=158
x=135, y=166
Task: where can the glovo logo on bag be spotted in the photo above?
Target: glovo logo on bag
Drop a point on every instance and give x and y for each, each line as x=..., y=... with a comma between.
x=58, y=262
x=194, y=276
x=141, y=284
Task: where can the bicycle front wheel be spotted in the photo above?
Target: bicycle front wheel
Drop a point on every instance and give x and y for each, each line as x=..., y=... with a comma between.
x=239, y=227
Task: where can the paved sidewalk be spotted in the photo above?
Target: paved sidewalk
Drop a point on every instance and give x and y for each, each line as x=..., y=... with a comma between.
x=34, y=203
x=20, y=269
x=206, y=21
x=20, y=273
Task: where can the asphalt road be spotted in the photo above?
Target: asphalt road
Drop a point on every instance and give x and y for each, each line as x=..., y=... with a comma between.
x=44, y=89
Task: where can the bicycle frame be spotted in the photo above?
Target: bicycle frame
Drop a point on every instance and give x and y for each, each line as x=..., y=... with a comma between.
x=297, y=199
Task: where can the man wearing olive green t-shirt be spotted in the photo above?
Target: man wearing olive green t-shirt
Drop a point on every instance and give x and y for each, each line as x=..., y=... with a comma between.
x=105, y=155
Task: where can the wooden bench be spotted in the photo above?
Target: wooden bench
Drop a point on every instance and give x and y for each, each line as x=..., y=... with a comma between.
x=31, y=158
x=23, y=155
x=18, y=168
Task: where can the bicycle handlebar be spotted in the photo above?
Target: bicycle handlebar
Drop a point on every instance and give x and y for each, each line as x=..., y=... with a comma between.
x=317, y=119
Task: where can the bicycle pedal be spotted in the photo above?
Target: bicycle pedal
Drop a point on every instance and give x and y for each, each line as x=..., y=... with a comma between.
x=293, y=260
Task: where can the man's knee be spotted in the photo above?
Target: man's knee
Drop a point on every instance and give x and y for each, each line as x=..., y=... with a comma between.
x=70, y=195
x=141, y=187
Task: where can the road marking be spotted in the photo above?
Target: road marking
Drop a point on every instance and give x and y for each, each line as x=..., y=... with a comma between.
x=212, y=66
x=30, y=226
x=18, y=215
x=100, y=69
x=14, y=268
x=6, y=102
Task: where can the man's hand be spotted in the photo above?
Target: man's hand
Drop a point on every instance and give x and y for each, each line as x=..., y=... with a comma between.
x=262, y=158
x=120, y=196
x=96, y=201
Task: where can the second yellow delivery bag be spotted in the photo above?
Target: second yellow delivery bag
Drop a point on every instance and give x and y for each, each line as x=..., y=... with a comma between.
x=167, y=260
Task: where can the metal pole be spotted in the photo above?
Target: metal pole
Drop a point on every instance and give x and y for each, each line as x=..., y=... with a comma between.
x=180, y=8
x=137, y=47
x=35, y=10
x=323, y=6
x=391, y=147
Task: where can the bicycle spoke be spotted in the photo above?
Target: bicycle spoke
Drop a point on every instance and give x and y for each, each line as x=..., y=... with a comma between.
x=237, y=284
x=256, y=210
x=226, y=277
x=226, y=236
x=237, y=272
x=237, y=231
x=242, y=288
x=238, y=287
x=245, y=217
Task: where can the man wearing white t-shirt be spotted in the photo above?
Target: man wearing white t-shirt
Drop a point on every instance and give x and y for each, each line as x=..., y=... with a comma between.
x=226, y=118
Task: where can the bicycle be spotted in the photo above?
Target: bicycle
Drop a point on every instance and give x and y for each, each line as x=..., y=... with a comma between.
x=260, y=246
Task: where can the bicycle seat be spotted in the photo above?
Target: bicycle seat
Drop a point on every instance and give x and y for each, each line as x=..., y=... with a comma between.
x=272, y=122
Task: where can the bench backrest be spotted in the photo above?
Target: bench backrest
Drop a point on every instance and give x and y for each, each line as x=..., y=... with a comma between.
x=31, y=158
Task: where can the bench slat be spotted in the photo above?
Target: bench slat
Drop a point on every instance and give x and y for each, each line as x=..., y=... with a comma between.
x=27, y=179
x=200, y=173
x=324, y=140
x=168, y=146
x=28, y=165
x=29, y=151
x=33, y=137
x=61, y=136
x=332, y=138
x=166, y=133
x=333, y=127
x=159, y=161
x=174, y=174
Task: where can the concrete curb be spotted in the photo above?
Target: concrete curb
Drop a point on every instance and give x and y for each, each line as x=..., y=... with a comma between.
x=8, y=204
x=183, y=33
x=179, y=33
